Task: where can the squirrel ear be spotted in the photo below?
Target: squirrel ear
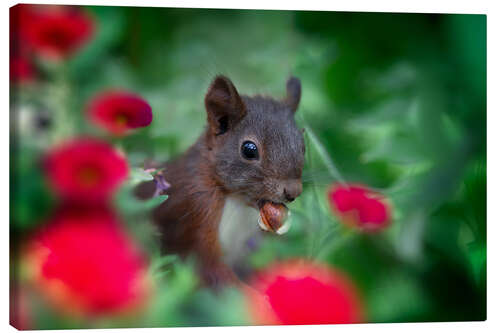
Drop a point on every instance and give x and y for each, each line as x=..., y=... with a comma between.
x=224, y=105
x=293, y=92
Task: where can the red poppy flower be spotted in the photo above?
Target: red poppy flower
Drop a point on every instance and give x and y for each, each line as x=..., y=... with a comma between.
x=21, y=70
x=20, y=18
x=85, y=169
x=56, y=32
x=303, y=293
x=119, y=111
x=84, y=263
x=359, y=206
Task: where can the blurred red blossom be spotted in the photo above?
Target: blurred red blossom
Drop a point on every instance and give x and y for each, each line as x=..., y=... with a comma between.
x=299, y=292
x=54, y=32
x=119, y=111
x=20, y=18
x=359, y=206
x=84, y=263
x=21, y=70
x=85, y=169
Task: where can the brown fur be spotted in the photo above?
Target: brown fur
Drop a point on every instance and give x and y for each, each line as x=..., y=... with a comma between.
x=188, y=220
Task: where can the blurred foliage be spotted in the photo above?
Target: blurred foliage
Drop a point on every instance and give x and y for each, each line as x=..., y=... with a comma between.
x=394, y=101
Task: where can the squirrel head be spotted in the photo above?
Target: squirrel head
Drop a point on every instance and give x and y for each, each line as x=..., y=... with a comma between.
x=254, y=145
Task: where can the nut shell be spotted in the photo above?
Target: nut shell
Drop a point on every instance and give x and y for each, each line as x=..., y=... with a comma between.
x=273, y=215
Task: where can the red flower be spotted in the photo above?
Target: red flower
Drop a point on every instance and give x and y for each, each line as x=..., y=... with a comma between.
x=359, y=206
x=303, y=293
x=119, y=111
x=85, y=169
x=84, y=263
x=21, y=70
x=56, y=32
x=20, y=18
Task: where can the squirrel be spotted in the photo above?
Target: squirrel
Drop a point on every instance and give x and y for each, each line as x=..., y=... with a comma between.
x=248, y=159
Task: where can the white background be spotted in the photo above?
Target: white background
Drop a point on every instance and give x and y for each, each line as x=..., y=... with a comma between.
x=490, y=8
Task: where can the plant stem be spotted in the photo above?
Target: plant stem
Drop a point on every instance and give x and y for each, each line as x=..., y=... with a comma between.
x=332, y=169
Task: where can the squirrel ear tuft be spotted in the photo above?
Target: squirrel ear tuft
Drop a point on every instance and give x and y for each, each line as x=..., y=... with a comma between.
x=224, y=106
x=293, y=92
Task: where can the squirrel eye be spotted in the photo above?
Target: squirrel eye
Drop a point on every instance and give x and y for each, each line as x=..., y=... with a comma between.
x=249, y=150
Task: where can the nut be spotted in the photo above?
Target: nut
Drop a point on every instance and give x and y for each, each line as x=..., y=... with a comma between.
x=273, y=217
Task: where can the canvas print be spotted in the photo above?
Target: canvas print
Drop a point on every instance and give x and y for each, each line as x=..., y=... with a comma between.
x=223, y=167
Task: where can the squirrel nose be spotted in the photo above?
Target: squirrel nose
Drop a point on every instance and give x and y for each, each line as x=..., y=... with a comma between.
x=292, y=190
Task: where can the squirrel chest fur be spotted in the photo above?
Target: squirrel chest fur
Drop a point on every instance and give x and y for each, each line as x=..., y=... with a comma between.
x=248, y=159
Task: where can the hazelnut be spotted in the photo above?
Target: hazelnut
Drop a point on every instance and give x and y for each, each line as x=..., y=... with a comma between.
x=273, y=217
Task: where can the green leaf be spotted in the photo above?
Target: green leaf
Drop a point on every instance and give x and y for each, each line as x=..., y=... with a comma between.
x=139, y=175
